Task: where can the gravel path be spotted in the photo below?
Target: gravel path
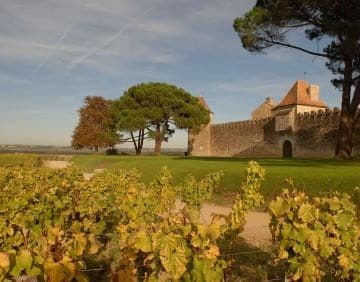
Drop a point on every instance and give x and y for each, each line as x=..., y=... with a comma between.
x=256, y=230
x=56, y=164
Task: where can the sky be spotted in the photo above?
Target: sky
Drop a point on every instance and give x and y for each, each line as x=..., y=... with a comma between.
x=53, y=53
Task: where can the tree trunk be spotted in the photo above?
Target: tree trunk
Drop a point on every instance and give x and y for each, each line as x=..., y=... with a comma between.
x=344, y=143
x=158, y=140
x=190, y=143
x=96, y=148
x=344, y=138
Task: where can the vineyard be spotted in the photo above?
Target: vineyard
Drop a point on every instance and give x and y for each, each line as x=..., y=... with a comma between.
x=57, y=226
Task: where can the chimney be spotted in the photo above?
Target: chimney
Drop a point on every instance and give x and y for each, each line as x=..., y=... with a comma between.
x=269, y=100
x=314, y=92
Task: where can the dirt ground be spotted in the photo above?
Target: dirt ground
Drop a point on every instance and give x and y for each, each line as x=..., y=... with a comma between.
x=256, y=230
x=56, y=164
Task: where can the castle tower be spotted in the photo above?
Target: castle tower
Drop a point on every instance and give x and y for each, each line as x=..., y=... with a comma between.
x=199, y=144
x=301, y=98
x=264, y=110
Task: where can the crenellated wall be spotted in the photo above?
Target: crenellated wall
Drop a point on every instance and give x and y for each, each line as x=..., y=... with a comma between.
x=316, y=133
x=313, y=134
x=229, y=139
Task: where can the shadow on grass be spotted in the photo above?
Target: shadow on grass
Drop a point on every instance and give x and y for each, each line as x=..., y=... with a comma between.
x=247, y=262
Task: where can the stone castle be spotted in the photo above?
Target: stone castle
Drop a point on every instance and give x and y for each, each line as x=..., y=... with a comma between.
x=301, y=125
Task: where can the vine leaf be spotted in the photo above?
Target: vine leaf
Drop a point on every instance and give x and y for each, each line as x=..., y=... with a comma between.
x=4, y=260
x=80, y=244
x=173, y=253
x=143, y=242
x=307, y=213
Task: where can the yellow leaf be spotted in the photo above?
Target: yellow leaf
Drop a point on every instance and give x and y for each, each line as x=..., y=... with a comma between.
x=54, y=272
x=4, y=260
x=94, y=245
x=80, y=244
x=283, y=254
x=53, y=233
x=212, y=252
x=143, y=242
x=344, y=262
x=69, y=267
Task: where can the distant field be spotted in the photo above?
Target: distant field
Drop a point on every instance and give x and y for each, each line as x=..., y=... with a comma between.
x=311, y=175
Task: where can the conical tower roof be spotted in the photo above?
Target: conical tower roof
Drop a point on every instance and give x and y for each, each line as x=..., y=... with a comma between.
x=299, y=95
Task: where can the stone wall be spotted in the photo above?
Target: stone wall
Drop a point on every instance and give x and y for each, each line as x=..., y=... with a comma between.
x=315, y=133
x=264, y=110
x=199, y=144
x=233, y=138
x=312, y=135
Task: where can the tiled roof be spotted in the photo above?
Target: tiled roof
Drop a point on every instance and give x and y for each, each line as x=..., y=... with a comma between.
x=299, y=95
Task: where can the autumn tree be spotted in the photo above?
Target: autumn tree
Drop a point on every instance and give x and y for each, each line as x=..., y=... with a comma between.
x=154, y=110
x=333, y=23
x=96, y=125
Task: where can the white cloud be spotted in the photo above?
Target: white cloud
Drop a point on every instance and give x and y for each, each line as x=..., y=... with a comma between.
x=107, y=31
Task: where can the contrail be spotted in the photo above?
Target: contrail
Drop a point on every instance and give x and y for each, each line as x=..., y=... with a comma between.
x=50, y=53
x=106, y=43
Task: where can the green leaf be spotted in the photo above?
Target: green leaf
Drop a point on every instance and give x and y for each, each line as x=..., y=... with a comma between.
x=173, y=253
x=205, y=270
x=343, y=220
x=24, y=260
x=143, y=242
x=308, y=213
x=212, y=231
x=35, y=271
x=276, y=207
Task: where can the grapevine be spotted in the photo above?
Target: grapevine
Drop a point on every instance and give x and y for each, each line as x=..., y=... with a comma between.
x=317, y=237
x=54, y=224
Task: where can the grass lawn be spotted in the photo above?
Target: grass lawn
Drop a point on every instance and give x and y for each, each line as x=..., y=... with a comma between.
x=311, y=175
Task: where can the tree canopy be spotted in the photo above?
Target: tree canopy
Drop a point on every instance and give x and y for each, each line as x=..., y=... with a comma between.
x=96, y=126
x=336, y=23
x=154, y=110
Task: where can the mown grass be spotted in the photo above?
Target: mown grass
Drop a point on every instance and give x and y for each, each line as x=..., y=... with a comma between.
x=314, y=176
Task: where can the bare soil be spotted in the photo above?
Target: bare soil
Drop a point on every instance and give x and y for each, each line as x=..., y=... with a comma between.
x=56, y=164
x=256, y=230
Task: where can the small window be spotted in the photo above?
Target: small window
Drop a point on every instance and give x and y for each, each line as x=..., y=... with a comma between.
x=201, y=148
x=282, y=123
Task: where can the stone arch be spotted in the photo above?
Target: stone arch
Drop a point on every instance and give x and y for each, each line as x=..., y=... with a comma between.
x=287, y=149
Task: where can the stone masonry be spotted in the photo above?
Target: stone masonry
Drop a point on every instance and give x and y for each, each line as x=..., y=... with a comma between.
x=301, y=125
